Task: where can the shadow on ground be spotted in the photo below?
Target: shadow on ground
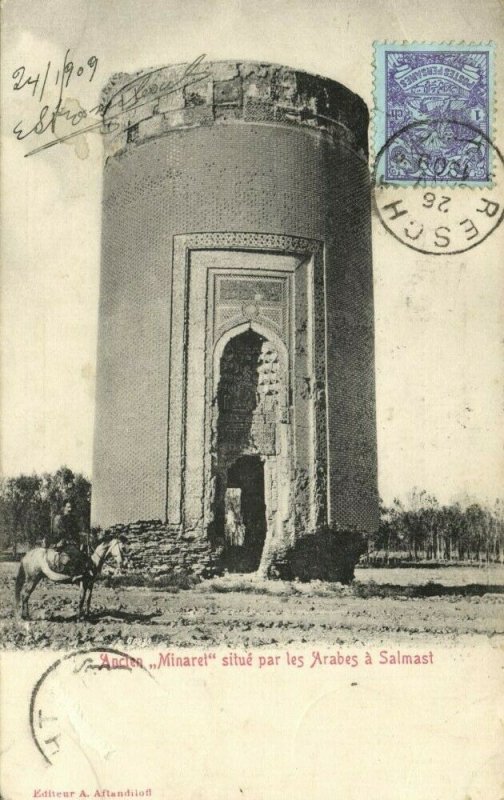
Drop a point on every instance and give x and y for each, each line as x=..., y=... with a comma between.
x=372, y=589
x=252, y=584
x=106, y=615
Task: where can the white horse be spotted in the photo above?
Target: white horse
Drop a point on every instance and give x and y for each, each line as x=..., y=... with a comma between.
x=34, y=566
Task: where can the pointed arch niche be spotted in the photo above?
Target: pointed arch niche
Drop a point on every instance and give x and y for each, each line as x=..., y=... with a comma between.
x=247, y=394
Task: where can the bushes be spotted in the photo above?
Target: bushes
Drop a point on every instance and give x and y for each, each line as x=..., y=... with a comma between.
x=327, y=555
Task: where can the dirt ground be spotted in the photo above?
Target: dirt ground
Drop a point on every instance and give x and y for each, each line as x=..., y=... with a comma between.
x=407, y=605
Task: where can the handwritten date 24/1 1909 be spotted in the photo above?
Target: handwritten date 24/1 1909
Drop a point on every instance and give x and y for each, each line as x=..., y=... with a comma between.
x=52, y=82
x=64, y=74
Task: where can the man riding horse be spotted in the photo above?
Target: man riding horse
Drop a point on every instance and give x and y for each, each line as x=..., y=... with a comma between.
x=63, y=544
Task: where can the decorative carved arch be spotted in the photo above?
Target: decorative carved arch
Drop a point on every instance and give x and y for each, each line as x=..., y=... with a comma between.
x=261, y=330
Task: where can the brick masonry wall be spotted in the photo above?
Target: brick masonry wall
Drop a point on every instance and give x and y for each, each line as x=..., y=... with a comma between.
x=290, y=176
x=248, y=179
x=155, y=549
x=151, y=103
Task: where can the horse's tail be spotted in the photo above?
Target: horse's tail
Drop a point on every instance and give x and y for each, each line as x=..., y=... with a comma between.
x=20, y=579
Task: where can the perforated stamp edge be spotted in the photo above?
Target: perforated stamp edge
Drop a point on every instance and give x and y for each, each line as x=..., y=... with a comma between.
x=378, y=133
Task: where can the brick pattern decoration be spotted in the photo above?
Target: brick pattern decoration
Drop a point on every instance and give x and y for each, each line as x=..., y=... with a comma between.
x=249, y=181
x=262, y=159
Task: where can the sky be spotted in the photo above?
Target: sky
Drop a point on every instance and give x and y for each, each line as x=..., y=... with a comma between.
x=439, y=321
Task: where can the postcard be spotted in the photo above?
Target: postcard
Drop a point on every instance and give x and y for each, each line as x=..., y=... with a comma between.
x=251, y=509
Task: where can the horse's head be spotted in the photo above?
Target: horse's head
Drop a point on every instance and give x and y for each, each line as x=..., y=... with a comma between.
x=116, y=552
x=111, y=548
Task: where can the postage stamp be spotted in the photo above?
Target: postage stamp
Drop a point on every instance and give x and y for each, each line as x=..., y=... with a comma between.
x=427, y=98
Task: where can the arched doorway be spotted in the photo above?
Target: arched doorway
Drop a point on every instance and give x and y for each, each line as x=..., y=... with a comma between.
x=251, y=456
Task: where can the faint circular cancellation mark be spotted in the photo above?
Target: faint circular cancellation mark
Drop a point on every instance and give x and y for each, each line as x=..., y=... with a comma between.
x=72, y=705
x=424, y=193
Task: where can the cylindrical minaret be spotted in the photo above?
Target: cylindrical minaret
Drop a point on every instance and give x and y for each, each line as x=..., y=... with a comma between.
x=235, y=393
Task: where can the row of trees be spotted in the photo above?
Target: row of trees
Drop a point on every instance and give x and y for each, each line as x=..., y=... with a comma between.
x=28, y=504
x=421, y=529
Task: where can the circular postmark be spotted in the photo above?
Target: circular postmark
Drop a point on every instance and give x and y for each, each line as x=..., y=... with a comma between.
x=424, y=191
x=78, y=702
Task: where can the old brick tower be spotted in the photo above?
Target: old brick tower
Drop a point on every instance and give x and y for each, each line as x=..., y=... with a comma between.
x=235, y=411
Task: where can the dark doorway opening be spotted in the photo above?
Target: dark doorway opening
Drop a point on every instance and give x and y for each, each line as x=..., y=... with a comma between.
x=245, y=514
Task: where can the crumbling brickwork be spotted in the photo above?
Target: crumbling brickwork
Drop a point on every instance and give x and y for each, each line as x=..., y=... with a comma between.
x=235, y=387
x=155, y=549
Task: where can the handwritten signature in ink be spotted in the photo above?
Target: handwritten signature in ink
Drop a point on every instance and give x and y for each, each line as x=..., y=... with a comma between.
x=138, y=92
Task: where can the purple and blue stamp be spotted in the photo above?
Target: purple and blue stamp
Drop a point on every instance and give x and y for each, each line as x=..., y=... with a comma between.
x=433, y=113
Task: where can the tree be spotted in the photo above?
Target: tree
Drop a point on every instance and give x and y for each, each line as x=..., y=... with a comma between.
x=477, y=523
x=421, y=529
x=22, y=507
x=499, y=531
x=28, y=504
